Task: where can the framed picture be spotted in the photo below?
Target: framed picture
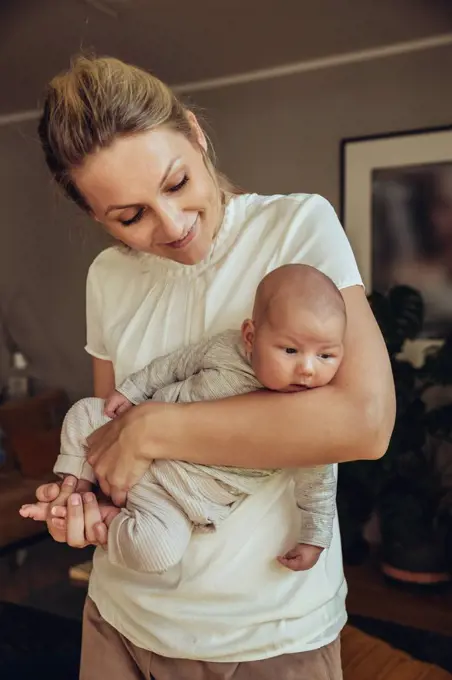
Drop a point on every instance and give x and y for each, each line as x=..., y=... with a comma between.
x=396, y=206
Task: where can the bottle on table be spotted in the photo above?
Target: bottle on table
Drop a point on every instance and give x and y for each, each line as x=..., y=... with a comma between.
x=18, y=386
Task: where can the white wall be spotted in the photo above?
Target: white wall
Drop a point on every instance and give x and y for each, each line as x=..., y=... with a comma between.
x=284, y=135
x=272, y=136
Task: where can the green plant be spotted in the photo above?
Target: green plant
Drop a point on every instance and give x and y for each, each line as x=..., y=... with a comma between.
x=404, y=488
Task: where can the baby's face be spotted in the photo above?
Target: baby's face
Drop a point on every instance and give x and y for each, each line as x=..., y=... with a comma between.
x=292, y=352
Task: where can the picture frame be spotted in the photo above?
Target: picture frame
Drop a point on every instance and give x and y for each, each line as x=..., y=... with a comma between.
x=396, y=209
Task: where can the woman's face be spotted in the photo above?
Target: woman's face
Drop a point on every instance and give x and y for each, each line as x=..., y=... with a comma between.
x=153, y=192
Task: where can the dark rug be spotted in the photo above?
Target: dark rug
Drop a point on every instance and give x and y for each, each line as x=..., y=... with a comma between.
x=36, y=644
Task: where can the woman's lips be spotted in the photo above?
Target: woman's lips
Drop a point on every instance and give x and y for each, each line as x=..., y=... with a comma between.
x=189, y=236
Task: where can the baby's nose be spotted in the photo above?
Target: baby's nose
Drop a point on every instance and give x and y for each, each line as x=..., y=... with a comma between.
x=306, y=368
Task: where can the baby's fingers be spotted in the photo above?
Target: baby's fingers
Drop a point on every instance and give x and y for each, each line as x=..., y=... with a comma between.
x=293, y=563
x=123, y=408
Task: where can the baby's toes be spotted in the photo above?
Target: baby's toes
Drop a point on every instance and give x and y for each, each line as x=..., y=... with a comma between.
x=33, y=511
x=24, y=511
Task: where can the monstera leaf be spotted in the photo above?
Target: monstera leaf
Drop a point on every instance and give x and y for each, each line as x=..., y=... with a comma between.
x=437, y=368
x=405, y=487
x=400, y=315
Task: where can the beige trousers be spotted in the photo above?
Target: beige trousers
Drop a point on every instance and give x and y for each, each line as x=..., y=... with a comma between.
x=107, y=654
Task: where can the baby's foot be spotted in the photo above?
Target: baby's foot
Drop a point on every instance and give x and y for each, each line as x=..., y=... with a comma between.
x=37, y=511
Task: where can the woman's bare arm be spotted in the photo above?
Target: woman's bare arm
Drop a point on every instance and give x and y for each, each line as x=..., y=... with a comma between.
x=103, y=378
x=352, y=418
x=349, y=419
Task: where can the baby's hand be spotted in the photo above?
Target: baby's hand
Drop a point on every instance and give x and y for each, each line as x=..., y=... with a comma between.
x=302, y=557
x=116, y=404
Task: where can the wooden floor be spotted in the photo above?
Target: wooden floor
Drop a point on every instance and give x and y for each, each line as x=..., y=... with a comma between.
x=371, y=595
x=43, y=581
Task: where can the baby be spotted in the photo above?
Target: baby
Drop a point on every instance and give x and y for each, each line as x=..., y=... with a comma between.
x=294, y=342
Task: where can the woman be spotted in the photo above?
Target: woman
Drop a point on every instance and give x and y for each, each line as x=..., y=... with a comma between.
x=127, y=151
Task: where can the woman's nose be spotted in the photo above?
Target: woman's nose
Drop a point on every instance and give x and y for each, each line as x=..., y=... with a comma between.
x=172, y=223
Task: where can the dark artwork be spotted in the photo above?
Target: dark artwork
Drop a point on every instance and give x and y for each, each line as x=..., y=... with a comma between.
x=412, y=237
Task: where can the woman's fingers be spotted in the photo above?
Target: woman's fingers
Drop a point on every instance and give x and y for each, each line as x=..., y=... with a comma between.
x=80, y=523
x=60, y=526
x=92, y=516
x=75, y=531
x=67, y=487
x=101, y=533
x=57, y=529
x=118, y=496
x=46, y=493
x=96, y=442
x=59, y=511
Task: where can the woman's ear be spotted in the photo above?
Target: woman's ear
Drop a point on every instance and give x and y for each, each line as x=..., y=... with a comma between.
x=248, y=333
x=197, y=129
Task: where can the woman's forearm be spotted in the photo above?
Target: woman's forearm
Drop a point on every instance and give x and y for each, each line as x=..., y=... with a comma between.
x=269, y=430
x=349, y=419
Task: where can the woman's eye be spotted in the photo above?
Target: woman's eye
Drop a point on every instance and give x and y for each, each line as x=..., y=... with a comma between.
x=290, y=350
x=177, y=187
x=133, y=220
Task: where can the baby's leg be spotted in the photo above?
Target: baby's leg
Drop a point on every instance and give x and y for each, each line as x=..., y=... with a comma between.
x=152, y=533
x=81, y=420
x=205, y=500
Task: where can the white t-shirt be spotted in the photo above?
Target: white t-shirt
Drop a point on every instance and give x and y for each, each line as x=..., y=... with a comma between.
x=228, y=600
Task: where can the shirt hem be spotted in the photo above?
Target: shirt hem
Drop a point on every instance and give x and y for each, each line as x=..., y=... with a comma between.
x=350, y=284
x=290, y=646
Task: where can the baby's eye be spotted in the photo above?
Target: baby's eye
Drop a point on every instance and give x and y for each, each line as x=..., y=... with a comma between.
x=290, y=350
x=325, y=356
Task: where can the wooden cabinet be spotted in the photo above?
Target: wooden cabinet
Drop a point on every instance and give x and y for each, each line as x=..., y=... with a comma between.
x=32, y=442
x=32, y=431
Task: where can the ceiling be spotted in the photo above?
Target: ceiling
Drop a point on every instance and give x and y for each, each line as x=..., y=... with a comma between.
x=199, y=39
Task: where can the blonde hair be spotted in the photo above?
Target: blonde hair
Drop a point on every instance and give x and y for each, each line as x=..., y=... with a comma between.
x=97, y=100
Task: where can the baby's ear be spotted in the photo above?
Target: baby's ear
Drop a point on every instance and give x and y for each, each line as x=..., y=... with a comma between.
x=248, y=332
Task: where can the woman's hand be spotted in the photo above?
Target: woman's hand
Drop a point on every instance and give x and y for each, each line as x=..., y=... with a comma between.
x=117, y=452
x=74, y=518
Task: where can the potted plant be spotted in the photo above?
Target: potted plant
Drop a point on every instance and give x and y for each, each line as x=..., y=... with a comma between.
x=405, y=490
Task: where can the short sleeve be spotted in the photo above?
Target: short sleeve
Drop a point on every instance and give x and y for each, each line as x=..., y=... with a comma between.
x=94, y=327
x=314, y=236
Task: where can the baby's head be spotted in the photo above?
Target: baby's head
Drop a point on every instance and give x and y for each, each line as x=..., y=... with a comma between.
x=295, y=338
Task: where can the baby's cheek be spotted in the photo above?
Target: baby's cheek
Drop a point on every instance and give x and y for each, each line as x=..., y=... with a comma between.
x=330, y=372
x=269, y=373
x=280, y=375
